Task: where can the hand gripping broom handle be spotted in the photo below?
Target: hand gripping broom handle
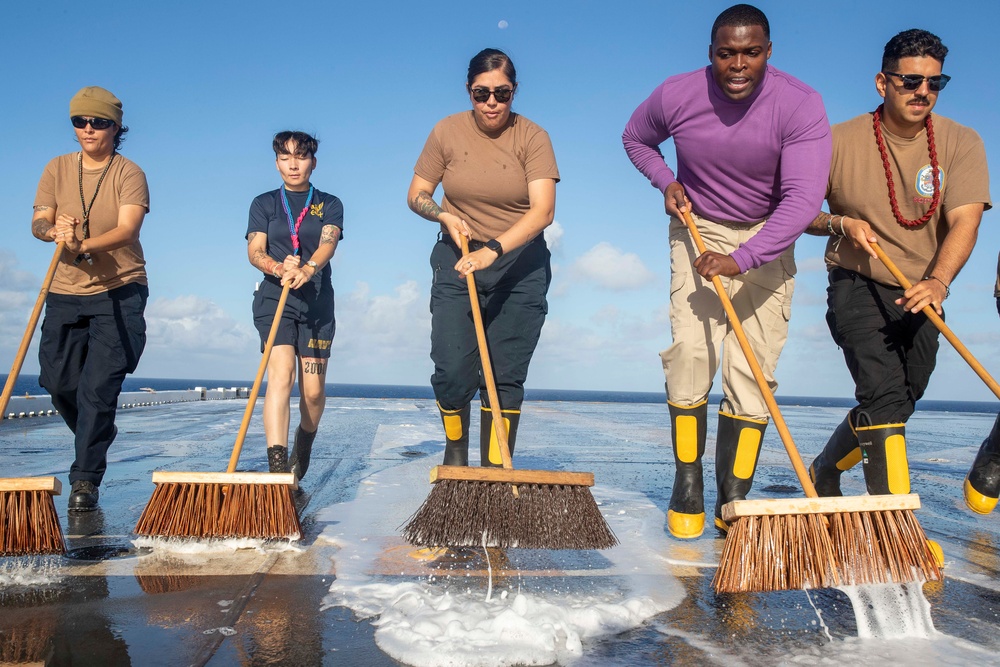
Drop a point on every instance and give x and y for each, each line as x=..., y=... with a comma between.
x=758, y=374
x=248, y=413
x=484, y=356
x=22, y=351
x=939, y=323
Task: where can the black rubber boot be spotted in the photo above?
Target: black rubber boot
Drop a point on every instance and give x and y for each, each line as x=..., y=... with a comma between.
x=737, y=449
x=83, y=497
x=686, y=512
x=841, y=453
x=456, y=433
x=883, y=454
x=277, y=459
x=298, y=459
x=982, y=484
x=489, y=448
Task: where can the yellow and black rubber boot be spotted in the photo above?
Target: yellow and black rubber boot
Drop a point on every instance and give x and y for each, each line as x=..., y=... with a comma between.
x=686, y=512
x=841, y=453
x=883, y=454
x=489, y=448
x=456, y=433
x=737, y=448
x=982, y=484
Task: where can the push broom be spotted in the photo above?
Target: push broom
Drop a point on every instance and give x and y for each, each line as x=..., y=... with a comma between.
x=229, y=504
x=813, y=542
x=28, y=519
x=503, y=507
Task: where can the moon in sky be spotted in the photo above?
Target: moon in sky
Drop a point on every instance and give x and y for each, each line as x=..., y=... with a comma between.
x=502, y=24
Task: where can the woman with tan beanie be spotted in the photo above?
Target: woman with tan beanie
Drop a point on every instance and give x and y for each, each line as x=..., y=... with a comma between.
x=94, y=201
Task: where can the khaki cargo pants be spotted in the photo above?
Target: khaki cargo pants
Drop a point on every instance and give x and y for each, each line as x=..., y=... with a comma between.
x=702, y=338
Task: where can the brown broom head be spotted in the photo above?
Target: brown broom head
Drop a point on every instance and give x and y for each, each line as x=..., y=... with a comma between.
x=222, y=505
x=28, y=519
x=799, y=543
x=473, y=507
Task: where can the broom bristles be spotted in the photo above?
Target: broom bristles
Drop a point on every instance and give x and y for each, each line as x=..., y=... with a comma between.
x=789, y=552
x=198, y=510
x=30, y=524
x=457, y=513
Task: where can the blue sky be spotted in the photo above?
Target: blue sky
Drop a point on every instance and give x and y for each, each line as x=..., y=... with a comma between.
x=205, y=86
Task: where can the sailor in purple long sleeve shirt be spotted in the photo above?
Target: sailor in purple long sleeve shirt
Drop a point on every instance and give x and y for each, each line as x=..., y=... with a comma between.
x=753, y=157
x=763, y=157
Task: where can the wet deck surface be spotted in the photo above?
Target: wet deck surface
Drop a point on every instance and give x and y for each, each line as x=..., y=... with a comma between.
x=111, y=602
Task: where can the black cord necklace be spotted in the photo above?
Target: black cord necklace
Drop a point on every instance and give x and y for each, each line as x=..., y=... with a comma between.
x=83, y=202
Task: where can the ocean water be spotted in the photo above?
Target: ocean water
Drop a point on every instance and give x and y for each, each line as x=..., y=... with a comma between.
x=28, y=384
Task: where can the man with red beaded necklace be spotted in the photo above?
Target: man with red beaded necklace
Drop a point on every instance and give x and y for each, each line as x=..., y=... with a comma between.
x=925, y=216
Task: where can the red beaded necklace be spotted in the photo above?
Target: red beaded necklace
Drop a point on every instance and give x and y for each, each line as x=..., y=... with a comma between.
x=877, y=122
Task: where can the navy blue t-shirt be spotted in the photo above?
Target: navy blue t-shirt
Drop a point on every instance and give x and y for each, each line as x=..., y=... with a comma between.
x=267, y=215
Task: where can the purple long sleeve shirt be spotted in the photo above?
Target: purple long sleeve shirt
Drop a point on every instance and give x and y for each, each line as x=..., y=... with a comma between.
x=767, y=156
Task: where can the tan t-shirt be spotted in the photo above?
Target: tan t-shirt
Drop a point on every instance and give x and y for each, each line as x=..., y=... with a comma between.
x=125, y=183
x=486, y=179
x=858, y=189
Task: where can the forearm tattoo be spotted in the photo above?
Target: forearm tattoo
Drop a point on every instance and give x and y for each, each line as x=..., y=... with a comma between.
x=260, y=258
x=40, y=226
x=425, y=205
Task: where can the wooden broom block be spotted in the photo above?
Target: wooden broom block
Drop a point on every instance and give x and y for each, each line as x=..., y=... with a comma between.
x=284, y=478
x=739, y=508
x=510, y=476
x=50, y=484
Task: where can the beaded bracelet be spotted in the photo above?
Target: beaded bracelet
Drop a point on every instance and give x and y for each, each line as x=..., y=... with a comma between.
x=829, y=225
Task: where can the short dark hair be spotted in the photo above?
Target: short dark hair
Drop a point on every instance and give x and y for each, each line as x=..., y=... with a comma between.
x=740, y=16
x=305, y=144
x=912, y=43
x=120, y=136
x=488, y=60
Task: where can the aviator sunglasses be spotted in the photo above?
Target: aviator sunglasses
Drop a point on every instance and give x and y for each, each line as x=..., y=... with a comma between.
x=502, y=95
x=914, y=81
x=79, y=122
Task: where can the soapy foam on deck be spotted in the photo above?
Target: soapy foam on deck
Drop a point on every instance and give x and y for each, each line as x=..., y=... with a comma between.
x=448, y=620
x=891, y=611
x=30, y=572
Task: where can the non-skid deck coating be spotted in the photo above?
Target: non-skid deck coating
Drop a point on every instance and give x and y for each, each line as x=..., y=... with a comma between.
x=114, y=603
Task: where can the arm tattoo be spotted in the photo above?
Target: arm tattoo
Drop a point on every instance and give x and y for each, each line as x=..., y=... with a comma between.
x=40, y=208
x=40, y=228
x=330, y=235
x=260, y=258
x=425, y=206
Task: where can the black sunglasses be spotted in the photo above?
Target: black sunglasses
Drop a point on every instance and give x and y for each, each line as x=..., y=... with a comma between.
x=502, y=95
x=914, y=81
x=79, y=122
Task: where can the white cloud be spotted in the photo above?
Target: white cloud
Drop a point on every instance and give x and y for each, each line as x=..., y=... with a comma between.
x=383, y=338
x=553, y=236
x=610, y=268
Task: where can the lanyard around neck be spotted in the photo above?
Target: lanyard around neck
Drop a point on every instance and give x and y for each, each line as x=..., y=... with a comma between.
x=293, y=227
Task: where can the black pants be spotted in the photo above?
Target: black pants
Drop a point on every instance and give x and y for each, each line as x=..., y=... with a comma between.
x=890, y=351
x=88, y=345
x=512, y=301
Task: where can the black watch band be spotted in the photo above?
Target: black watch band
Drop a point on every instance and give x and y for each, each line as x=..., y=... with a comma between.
x=495, y=246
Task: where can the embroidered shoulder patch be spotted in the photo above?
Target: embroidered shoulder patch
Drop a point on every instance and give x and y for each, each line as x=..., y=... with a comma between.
x=317, y=209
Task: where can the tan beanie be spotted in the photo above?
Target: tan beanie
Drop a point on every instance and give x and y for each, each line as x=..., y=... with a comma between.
x=96, y=102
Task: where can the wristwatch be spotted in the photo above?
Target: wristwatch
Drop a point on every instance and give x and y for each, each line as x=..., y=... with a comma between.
x=313, y=264
x=495, y=246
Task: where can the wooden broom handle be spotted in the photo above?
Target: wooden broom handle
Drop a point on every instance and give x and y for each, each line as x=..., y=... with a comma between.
x=758, y=374
x=939, y=323
x=484, y=357
x=251, y=402
x=22, y=351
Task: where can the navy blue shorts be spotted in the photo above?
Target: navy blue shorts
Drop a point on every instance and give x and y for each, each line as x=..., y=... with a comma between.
x=307, y=323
